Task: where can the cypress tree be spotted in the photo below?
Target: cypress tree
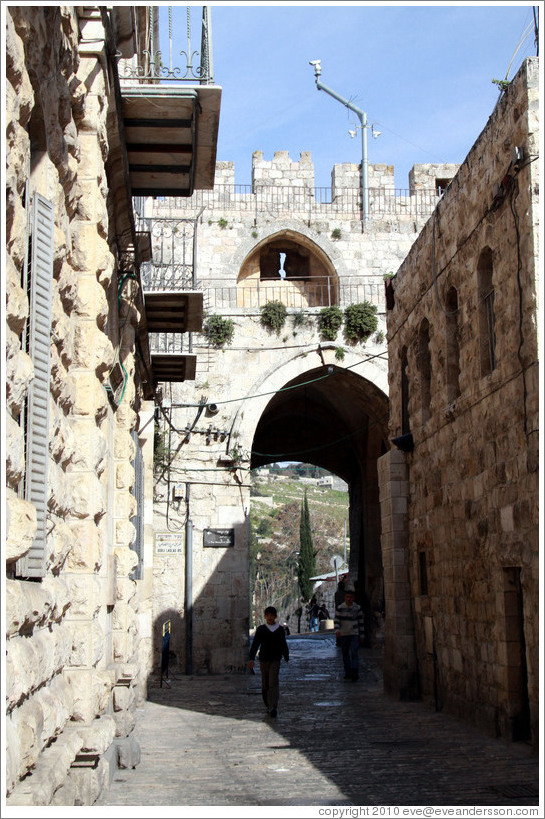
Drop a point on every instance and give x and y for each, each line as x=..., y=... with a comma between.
x=306, y=566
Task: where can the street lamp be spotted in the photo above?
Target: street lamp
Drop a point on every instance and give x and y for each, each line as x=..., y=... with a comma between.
x=362, y=116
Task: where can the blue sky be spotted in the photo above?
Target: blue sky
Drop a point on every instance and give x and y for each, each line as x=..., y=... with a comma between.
x=422, y=73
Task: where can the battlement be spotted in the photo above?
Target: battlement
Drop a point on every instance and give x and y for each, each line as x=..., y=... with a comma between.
x=282, y=171
x=288, y=186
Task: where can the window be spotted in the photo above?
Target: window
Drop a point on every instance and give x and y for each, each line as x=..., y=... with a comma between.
x=453, y=350
x=423, y=573
x=138, y=492
x=424, y=369
x=487, y=334
x=37, y=278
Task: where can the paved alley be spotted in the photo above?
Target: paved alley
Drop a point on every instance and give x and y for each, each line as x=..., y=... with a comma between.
x=208, y=741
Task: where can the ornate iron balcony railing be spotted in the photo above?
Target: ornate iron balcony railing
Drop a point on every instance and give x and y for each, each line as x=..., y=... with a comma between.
x=151, y=66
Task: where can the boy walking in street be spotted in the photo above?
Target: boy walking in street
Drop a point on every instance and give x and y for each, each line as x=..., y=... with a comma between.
x=270, y=640
x=349, y=632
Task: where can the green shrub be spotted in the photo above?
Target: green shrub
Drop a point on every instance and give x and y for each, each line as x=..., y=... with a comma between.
x=330, y=320
x=222, y=223
x=336, y=233
x=273, y=315
x=360, y=320
x=219, y=331
x=339, y=353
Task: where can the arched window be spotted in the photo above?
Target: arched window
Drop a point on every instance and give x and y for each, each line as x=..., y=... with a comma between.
x=487, y=335
x=290, y=268
x=424, y=368
x=453, y=350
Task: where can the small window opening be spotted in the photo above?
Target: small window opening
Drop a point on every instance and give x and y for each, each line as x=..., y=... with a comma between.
x=423, y=573
x=486, y=294
x=441, y=185
x=453, y=349
x=424, y=369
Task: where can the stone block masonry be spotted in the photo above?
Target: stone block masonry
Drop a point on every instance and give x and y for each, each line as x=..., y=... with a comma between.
x=70, y=624
x=463, y=358
x=240, y=237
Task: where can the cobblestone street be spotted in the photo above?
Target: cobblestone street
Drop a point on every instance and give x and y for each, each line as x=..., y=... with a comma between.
x=208, y=741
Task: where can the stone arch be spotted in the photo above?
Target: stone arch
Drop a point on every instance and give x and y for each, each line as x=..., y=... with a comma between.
x=290, y=267
x=311, y=409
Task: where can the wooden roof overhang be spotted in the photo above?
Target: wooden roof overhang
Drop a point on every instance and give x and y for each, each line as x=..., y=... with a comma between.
x=171, y=134
x=173, y=366
x=173, y=311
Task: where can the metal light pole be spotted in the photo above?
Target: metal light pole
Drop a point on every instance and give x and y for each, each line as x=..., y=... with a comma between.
x=362, y=116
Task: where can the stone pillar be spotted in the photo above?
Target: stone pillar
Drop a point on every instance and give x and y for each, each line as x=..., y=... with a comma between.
x=400, y=669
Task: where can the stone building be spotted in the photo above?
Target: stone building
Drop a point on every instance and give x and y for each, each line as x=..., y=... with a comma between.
x=459, y=488
x=80, y=383
x=293, y=392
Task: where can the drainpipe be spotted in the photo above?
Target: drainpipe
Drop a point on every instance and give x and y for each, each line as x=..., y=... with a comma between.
x=188, y=596
x=362, y=116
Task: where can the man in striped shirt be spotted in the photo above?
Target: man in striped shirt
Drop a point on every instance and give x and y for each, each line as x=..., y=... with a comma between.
x=349, y=632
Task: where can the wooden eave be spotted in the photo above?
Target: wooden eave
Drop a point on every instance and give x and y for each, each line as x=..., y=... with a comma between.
x=171, y=135
x=173, y=367
x=173, y=311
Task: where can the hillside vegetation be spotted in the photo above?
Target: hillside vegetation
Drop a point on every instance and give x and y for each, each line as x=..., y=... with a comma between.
x=275, y=516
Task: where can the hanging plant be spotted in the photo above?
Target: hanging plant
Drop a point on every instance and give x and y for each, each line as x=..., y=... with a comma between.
x=360, y=320
x=219, y=331
x=273, y=315
x=330, y=320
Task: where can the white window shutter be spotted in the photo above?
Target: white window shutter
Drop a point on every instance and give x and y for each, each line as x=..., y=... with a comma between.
x=138, y=492
x=37, y=415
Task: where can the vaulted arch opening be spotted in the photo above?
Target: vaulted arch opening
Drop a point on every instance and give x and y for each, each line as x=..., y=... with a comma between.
x=288, y=267
x=335, y=419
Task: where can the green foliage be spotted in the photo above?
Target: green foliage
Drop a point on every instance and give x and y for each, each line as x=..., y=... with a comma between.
x=336, y=233
x=379, y=338
x=161, y=451
x=330, y=320
x=306, y=566
x=503, y=85
x=264, y=528
x=360, y=320
x=273, y=315
x=339, y=353
x=222, y=223
x=219, y=331
x=300, y=319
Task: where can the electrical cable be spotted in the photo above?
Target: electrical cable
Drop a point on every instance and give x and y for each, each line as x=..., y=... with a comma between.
x=336, y=371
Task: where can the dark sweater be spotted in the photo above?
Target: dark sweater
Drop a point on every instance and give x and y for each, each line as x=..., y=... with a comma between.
x=272, y=645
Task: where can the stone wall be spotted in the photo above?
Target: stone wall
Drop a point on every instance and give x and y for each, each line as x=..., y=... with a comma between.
x=72, y=633
x=469, y=407
x=231, y=233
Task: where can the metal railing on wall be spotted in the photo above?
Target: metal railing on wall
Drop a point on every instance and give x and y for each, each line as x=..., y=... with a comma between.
x=297, y=294
x=154, y=65
x=306, y=202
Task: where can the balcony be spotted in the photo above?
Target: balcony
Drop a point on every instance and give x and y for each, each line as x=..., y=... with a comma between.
x=170, y=115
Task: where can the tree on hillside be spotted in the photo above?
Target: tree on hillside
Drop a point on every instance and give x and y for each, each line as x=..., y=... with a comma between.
x=306, y=566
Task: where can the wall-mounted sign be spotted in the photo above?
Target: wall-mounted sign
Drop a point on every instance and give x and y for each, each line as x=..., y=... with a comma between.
x=218, y=538
x=169, y=543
